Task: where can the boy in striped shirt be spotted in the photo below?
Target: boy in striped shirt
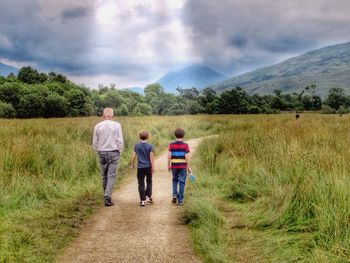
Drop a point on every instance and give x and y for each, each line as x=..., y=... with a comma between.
x=178, y=164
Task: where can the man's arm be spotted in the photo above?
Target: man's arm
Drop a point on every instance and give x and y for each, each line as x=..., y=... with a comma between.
x=133, y=158
x=187, y=157
x=95, y=139
x=120, y=140
x=151, y=156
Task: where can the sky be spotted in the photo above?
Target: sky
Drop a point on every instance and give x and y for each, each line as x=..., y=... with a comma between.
x=133, y=43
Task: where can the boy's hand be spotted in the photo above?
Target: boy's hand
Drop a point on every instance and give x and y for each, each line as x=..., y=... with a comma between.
x=133, y=166
x=189, y=169
x=169, y=170
x=153, y=170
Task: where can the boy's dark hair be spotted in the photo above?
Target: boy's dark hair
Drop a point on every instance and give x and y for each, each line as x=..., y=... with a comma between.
x=179, y=133
x=143, y=135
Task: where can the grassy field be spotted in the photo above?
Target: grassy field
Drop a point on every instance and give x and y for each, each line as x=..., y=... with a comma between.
x=49, y=177
x=273, y=189
x=268, y=189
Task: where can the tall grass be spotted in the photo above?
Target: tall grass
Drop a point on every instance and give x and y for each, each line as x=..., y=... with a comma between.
x=49, y=177
x=280, y=188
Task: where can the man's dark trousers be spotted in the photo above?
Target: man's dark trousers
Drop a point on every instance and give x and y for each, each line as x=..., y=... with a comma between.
x=109, y=162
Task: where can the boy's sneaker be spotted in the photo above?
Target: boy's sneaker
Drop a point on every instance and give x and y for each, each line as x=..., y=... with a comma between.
x=150, y=200
x=142, y=203
x=174, y=200
x=181, y=204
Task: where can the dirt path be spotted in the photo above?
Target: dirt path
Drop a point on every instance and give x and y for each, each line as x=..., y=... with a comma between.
x=129, y=233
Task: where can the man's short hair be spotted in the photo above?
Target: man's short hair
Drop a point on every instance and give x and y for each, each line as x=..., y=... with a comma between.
x=108, y=112
x=143, y=135
x=179, y=133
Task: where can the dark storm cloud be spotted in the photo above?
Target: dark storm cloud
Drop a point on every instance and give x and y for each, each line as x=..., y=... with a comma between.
x=75, y=12
x=238, y=41
x=40, y=37
x=235, y=35
x=66, y=37
x=144, y=39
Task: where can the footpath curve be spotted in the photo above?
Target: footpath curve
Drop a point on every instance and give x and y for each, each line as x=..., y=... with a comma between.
x=129, y=233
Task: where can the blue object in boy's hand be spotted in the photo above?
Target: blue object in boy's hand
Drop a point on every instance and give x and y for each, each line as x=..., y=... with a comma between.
x=192, y=177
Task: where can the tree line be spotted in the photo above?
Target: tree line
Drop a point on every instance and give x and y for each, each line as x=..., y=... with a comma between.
x=33, y=94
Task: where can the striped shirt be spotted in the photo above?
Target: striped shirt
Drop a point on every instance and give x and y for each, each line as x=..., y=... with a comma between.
x=178, y=150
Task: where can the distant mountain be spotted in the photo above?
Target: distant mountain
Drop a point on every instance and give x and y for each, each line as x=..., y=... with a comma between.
x=326, y=67
x=135, y=89
x=6, y=69
x=198, y=76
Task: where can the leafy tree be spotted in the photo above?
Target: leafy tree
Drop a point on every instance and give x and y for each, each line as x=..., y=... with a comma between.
x=342, y=110
x=209, y=101
x=308, y=105
x=190, y=100
x=112, y=99
x=11, y=92
x=312, y=89
x=56, y=87
x=189, y=94
x=31, y=105
x=122, y=110
x=158, y=99
x=336, y=97
x=11, y=77
x=154, y=89
x=235, y=101
x=29, y=75
x=55, y=77
x=43, y=77
x=56, y=106
x=76, y=99
x=89, y=107
x=279, y=101
x=325, y=109
x=254, y=109
x=7, y=110
x=142, y=109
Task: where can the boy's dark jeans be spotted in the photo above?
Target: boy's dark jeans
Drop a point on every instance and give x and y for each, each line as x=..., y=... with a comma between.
x=141, y=174
x=179, y=179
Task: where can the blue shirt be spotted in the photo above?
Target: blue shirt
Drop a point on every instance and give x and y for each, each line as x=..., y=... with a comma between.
x=143, y=151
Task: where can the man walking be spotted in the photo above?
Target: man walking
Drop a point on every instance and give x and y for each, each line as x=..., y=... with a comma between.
x=108, y=142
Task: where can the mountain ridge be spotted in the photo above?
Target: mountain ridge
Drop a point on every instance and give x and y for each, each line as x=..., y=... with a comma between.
x=196, y=75
x=327, y=67
x=5, y=70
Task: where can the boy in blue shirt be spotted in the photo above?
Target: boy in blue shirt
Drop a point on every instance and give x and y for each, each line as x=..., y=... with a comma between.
x=145, y=167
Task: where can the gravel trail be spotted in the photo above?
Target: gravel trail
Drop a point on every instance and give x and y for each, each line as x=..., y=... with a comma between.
x=129, y=233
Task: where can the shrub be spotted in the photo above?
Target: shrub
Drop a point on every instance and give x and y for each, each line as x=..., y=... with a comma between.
x=325, y=109
x=342, y=110
x=7, y=110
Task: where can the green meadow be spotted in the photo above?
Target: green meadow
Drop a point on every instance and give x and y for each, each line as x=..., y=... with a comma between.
x=269, y=188
x=49, y=178
x=273, y=189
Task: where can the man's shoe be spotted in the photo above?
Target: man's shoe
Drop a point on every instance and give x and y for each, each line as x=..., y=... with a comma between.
x=108, y=202
x=142, y=203
x=174, y=200
x=149, y=200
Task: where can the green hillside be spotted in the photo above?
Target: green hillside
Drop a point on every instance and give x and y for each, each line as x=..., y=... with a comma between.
x=327, y=67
